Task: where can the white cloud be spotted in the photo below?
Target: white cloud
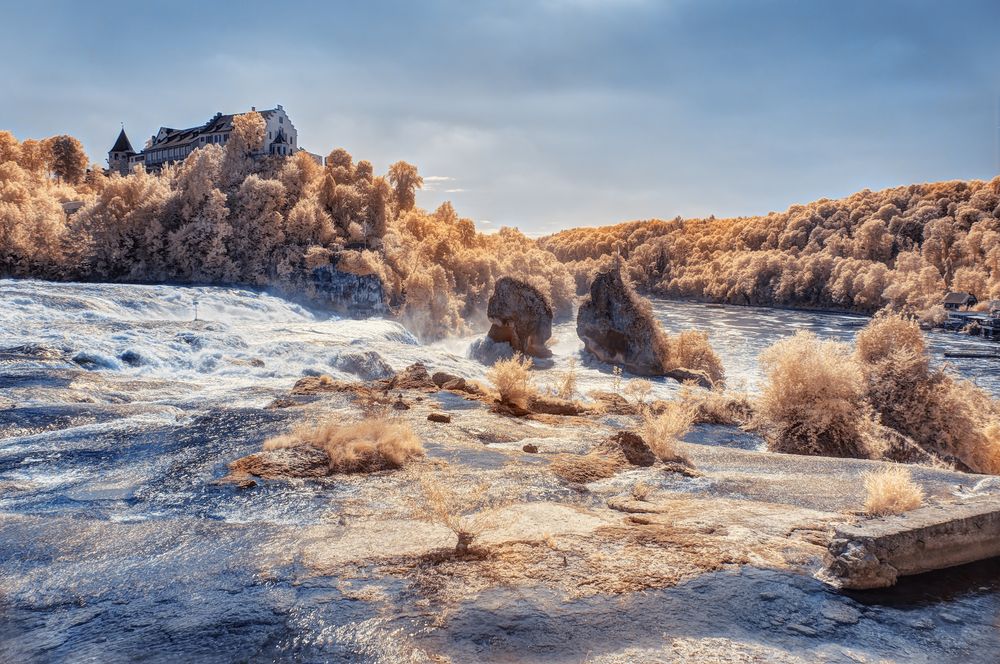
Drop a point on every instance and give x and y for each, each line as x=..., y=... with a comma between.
x=433, y=182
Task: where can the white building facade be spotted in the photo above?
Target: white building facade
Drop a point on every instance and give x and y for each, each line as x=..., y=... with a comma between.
x=170, y=145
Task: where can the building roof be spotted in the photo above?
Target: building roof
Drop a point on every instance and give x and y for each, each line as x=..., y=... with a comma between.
x=122, y=144
x=280, y=138
x=957, y=297
x=219, y=123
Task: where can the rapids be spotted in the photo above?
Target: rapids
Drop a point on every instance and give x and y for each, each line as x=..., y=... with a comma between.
x=118, y=410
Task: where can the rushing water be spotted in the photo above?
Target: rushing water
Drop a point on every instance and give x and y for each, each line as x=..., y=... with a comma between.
x=118, y=408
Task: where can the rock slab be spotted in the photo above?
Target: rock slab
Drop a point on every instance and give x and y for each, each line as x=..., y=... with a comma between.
x=875, y=553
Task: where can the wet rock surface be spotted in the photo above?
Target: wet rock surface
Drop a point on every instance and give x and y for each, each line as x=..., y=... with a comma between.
x=520, y=316
x=119, y=544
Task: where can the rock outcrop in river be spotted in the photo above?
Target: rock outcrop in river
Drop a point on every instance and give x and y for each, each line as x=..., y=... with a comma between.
x=617, y=326
x=520, y=316
x=349, y=293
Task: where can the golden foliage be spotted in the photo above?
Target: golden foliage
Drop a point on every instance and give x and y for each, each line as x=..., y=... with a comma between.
x=946, y=415
x=891, y=491
x=512, y=379
x=663, y=430
x=901, y=247
x=366, y=446
x=814, y=398
x=820, y=398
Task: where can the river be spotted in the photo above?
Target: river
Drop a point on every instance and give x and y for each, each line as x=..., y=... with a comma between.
x=118, y=409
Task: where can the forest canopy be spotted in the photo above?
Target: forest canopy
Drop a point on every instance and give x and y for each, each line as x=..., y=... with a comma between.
x=902, y=248
x=221, y=217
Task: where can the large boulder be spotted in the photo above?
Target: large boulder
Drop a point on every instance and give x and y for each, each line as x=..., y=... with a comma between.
x=617, y=326
x=520, y=316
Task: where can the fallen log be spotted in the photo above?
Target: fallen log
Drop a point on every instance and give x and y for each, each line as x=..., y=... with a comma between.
x=876, y=552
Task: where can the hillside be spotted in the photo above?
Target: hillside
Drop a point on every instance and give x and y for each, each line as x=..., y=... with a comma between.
x=902, y=247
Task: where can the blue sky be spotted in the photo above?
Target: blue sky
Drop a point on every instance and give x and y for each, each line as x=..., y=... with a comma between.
x=543, y=114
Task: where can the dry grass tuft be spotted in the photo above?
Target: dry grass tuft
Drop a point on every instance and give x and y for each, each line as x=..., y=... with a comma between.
x=638, y=389
x=463, y=509
x=891, y=491
x=366, y=446
x=584, y=468
x=718, y=405
x=641, y=491
x=662, y=431
x=691, y=350
x=512, y=380
x=566, y=388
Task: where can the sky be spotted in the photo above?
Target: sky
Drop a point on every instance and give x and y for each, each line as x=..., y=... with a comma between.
x=542, y=114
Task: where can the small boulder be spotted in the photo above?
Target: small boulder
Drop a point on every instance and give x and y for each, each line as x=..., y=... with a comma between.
x=413, y=377
x=300, y=461
x=442, y=418
x=550, y=405
x=520, y=316
x=530, y=448
x=447, y=381
x=631, y=446
x=682, y=375
x=366, y=365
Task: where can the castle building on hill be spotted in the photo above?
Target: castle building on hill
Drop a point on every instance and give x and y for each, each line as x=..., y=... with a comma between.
x=171, y=145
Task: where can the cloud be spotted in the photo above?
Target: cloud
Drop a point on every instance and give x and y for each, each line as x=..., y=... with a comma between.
x=555, y=112
x=435, y=182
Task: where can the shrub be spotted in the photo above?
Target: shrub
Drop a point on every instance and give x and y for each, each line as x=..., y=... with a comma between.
x=566, y=388
x=638, y=389
x=365, y=446
x=662, y=431
x=718, y=405
x=512, y=379
x=891, y=491
x=813, y=400
x=641, y=491
x=943, y=414
x=465, y=510
x=690, y=350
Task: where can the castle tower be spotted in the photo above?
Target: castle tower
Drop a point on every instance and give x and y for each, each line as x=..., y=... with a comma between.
x=118, y=156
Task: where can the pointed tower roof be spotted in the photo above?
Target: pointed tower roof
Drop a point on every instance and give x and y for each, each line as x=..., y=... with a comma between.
x=122, y=144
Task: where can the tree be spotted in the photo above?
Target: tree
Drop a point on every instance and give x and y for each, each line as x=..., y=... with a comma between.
x=246, y=138
x=405, y=182
x=69, y=161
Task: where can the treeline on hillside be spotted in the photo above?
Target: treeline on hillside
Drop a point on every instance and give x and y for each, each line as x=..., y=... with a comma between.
x=222, y=217
x=902, y=248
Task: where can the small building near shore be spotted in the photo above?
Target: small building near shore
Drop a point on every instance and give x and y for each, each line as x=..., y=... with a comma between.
x=957, y=300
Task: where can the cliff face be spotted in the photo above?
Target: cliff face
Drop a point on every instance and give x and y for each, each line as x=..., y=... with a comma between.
x=348, y=293
x=520, y=316
x=616, y=326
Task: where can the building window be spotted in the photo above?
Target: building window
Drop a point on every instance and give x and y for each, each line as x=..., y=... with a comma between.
x=281, y=120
